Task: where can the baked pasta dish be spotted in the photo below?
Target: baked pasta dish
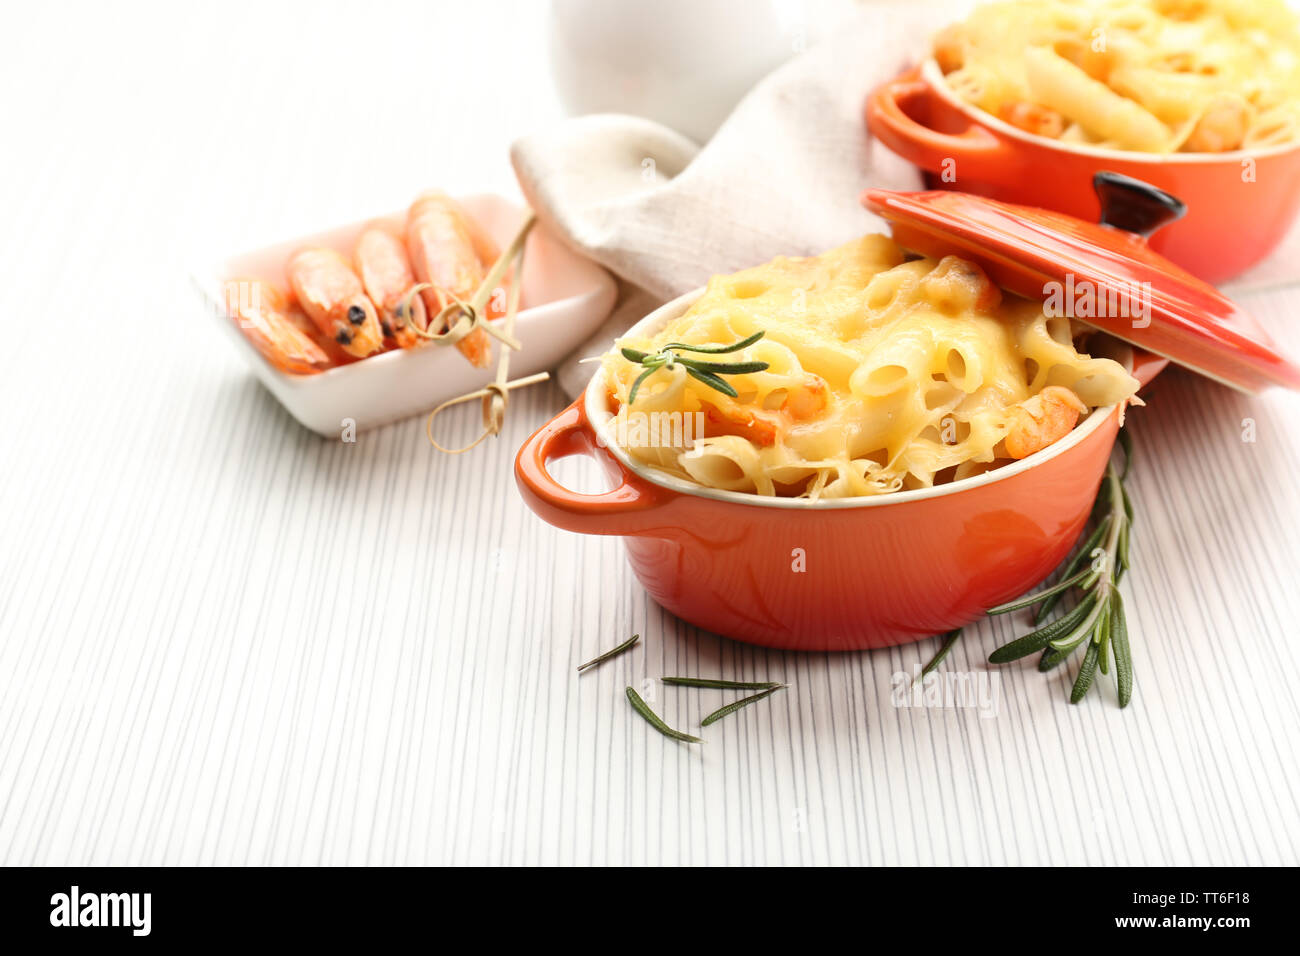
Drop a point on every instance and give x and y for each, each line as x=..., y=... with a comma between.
x=1156, y=76
x=861, y=371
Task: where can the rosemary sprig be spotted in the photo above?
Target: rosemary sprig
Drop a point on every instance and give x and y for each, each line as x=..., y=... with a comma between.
x=710, y=373
x=722, y=684
x=625, y=646
x=1097, y=622
x=653, y=719
x=736, y=705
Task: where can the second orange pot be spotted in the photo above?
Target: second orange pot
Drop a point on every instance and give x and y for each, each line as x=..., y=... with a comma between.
x=1241, y=205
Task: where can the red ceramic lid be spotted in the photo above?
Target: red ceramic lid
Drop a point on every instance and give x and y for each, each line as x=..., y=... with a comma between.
x=1103, y=274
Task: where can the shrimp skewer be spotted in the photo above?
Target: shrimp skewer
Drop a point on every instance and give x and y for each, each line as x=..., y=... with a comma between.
x=1039, y=421
x=488, y=252
x=334, y=298
x=442, y=252
x=262, y=313
x=386, y=274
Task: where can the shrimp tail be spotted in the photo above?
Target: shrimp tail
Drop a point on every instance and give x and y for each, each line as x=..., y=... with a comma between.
x=441, y=247
x=261, y=310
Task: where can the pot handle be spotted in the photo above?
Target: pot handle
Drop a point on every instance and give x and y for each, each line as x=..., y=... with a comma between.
x=623, y=510
x=1135, y=206
x=976, y=152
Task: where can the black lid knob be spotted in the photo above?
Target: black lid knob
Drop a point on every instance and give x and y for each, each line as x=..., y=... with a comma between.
x=1135, y=206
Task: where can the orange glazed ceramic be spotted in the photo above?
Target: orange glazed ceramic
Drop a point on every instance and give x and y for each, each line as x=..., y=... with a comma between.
x=1240, y=204
x=837, y=575
x=857, y=573
x=1025, y=249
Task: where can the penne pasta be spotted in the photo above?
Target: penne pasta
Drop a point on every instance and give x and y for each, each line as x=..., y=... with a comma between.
x=1155, y=76
x=1060, y=85
x=891, y=374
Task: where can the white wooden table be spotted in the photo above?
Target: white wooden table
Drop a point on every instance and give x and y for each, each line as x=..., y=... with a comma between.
x=224, y=640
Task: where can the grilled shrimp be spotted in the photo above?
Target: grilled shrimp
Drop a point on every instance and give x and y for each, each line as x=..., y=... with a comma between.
x=385, y=271
x=332, y=295
x=262, y=313
x=1039, y=421
x=442, y=251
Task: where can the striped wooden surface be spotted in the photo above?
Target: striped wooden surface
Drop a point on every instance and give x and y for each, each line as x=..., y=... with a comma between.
x=224, y=640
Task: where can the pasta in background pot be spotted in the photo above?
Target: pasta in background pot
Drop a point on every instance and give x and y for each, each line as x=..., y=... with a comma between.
x=1157, y=76
x=884, y=373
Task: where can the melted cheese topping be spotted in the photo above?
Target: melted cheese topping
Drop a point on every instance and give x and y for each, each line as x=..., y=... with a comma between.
x=883, y=374
x=1149, y=75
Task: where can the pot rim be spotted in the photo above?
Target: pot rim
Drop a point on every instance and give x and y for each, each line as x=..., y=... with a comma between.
x=600, y=418
x=931, y=73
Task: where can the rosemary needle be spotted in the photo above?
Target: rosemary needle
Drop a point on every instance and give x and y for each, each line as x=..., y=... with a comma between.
x=949, y=641
x=642, y=708
x=626, y=645
x=710, y=373
x=736, y=705
x=722, y=684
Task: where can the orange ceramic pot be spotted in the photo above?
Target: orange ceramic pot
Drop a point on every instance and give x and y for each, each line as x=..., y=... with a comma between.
x=839, y=575
x=1241, y=204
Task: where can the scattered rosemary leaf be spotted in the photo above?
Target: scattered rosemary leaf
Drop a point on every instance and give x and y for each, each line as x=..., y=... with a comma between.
x=1041, y=595
x=722, y=684
x=642, y=708
x=1039, y=639
x=626, y=645
x=1087, y=671
x=949, y=642
x=736, y=705
x=1123, y=655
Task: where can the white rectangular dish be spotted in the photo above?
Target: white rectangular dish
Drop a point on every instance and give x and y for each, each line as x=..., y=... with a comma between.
x=564, y=299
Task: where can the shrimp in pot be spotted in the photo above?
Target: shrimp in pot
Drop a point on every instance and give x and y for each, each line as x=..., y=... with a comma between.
x=441, y=246
x=262, y=312
x=1042, y=420
x=783, y=408
x=386, y=274
x=1033, y=118
x=333, y=297
x=1222, y=127
x=950, y=48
